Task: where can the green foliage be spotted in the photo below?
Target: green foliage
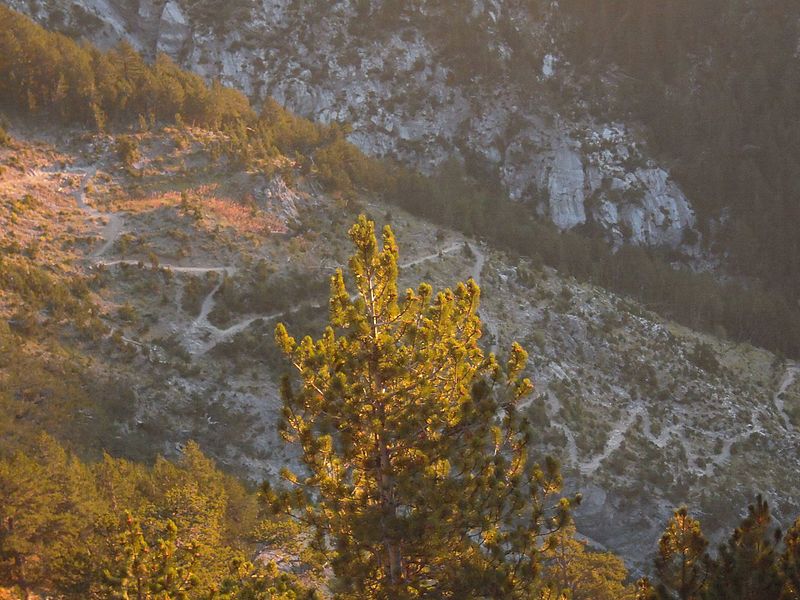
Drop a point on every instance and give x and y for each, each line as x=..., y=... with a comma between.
x=116, y=529
x=141, y=571
x=62, y=298
x=191, y=206
x=682, y=563
x=127, y=313
x=718, y=90
x=196, y=290
x=746, y=566
x=790, y=563
x=47, y=506
x=127, y=149
x=584, y=574
x=46, y=390
x=250, y=582
x=260, y=291
x=416, y=457
x=704, y=357
x=48, y=71
x=752, y=313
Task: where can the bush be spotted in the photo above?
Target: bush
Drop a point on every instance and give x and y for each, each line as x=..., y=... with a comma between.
x=704, y=357
x=127, y=149
x=127, y=313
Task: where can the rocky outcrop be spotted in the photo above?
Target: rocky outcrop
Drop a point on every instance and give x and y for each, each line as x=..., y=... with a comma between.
x=566, y=183
x=278, y=198
x=586, y=176
x=403, y=97
x=173, y=30
x=663, y=216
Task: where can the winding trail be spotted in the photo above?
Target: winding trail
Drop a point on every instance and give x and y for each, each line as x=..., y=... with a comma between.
x=662, y=438
x=756, y=425
x=202, y=336
x=724, y=455
x=114, y=221
x=553, y=407
x=780, y=403
x=480, y=260
x=111, y=232
x=615, y=440
x=213, y=336
x=422, y=259
x=488, y=326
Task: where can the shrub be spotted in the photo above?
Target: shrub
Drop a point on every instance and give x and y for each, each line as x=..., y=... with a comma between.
x=127, y=149
x=704, y=357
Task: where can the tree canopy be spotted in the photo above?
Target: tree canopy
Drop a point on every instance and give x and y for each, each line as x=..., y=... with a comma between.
x=417, y=468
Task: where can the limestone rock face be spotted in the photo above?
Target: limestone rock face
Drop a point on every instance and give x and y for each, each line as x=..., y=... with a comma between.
x=173, y=30
x=279, y=198
x=599, y=178
x=566, y=183
x=406, y=98
x=664, y=213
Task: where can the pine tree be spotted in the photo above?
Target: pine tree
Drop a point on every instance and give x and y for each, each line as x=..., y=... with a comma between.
x=586, y=575
x=416, y=457
x=644, y=590
x=746, y=566
x=247, y=581
x=682, y=561
x=144, y=571
x=790, y=563
x=47, y=508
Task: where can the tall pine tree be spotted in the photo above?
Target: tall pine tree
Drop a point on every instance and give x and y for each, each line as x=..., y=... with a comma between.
x=416, y=458
x=682, y=562
x=746, y=567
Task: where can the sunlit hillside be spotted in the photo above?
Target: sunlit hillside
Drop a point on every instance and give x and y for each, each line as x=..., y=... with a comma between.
x=382, y=350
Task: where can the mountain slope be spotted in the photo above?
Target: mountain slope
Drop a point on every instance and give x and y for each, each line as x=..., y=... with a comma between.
x=486, y=91
x=190, y=277
x=630, y=135
x=143, y=273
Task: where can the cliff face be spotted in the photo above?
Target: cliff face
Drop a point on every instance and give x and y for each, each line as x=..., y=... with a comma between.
x=499, y=91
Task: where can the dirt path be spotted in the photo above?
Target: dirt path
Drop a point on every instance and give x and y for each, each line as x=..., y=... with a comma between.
x=552, y=408
x=114, y=221
x=422, y=259
x=614, y=440
x=488, y=326
x=780, y=402
x=662, y=438
x=202, y=336
x=213, y=336
x=111, y=232
x=480, y=260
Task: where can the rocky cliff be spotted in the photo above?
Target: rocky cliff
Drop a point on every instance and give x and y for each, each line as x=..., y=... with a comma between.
x=421, y=82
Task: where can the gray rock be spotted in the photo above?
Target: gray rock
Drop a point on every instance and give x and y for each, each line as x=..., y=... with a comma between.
x=565, y=187
x=173, y=30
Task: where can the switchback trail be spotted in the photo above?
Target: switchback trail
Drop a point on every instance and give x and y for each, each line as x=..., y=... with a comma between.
x=202, y=336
